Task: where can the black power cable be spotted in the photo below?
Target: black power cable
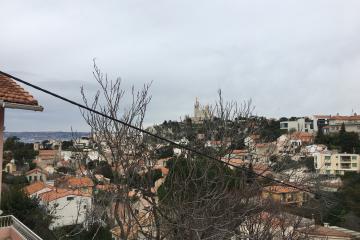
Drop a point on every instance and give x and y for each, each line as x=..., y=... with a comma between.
x=244, y=169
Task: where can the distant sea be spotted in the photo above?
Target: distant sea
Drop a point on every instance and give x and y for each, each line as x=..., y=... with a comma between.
x=30, y=137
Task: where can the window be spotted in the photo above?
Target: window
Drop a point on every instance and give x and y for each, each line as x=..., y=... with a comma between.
x=85, y=206
x=327, y=171
x=337, y=172
x=354, y=164
x=41, y=178
x=353, y=157
x=70, y=198
x=35, y=178
x=30, y=178
x=327, y=158
x=327, y=164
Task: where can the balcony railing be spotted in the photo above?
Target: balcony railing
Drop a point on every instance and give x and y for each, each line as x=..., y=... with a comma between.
x=345, y=166
x=345, y=159
x=24, y=231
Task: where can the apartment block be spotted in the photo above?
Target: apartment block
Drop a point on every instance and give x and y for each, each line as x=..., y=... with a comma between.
x=298, y=125
x=352, y=124
x=336, y=163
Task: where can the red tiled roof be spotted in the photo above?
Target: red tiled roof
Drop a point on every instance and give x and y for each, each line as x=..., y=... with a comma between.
x=36, y=170
x=59, y=193
x=107, y=187
x=35, y=187
x=47, y=153
x=239, y=151
x=303, y=136
x=80, y=182
x=11, y=92
x=345, y=118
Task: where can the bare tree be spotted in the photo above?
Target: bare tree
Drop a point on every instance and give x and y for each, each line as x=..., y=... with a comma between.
x=120, y=145
x=197, y=197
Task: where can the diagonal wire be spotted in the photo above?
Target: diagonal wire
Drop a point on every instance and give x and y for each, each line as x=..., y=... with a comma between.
x=244, y=169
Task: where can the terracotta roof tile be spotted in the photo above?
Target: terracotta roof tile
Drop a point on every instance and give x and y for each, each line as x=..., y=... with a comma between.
x=47, y=153
x=61, y=192
x=346, y=118
x=35, y=187
x=240, y=151
x=11, y=92
x=80, y=182
x=36, y=170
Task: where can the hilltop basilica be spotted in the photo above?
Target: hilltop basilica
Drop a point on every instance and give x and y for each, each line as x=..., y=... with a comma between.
x=200, y=112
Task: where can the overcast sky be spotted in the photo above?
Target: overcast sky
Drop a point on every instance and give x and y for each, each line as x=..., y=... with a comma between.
x=292, y=58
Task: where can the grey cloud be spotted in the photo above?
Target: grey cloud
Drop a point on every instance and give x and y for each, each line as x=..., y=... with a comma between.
x=291, y=57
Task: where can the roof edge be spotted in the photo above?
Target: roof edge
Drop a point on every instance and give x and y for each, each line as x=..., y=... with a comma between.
x=36, y=108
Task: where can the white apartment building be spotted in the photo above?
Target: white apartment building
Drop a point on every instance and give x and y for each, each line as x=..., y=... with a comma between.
x=336, y=164
x=299, y=125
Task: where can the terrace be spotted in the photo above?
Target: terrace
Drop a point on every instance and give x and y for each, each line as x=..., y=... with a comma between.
x=12, y=228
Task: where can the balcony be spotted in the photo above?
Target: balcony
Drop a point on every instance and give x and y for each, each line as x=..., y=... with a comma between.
x=345, y=158
x=12, y=228
x=345, y=166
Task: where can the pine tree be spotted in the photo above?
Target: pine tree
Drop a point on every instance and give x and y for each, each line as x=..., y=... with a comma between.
x=342, y=129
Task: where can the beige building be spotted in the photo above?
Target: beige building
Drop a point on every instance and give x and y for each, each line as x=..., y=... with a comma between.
x=35, y=175
x=10, y=167
x=285, y=195
x=336, y=163
x=352, y=124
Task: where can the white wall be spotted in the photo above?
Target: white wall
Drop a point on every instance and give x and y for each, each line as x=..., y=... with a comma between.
x=69, y=212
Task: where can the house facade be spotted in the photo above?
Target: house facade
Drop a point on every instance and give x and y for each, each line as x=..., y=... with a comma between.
x=69, y=207
x=285, y=195
x=47, y=157
x=35, y=175
x=336, y=163
x=352, y=123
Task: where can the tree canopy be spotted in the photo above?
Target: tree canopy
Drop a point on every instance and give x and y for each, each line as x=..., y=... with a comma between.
x=21, y=152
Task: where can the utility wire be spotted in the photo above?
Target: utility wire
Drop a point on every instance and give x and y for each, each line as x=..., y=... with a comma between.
x=244, y=169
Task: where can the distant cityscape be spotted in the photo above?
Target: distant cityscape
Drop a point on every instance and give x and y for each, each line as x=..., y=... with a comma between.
x=30, y=137
x=115, y=179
